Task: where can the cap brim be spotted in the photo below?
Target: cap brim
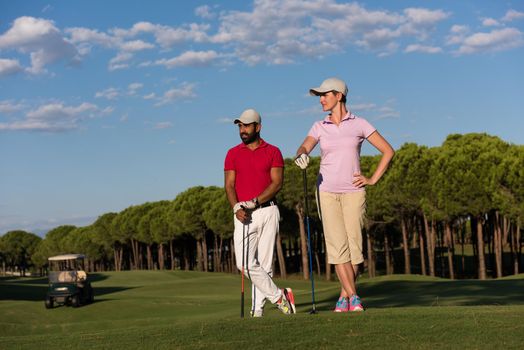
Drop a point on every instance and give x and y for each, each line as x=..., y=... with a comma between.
x=317, y=91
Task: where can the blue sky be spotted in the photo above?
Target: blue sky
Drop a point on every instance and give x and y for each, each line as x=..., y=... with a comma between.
x=107, y=104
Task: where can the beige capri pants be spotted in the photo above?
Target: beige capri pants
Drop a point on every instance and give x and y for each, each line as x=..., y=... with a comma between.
x=342, y=220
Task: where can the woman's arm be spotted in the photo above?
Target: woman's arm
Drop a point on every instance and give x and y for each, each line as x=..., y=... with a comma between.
x=307, y=146
x=387, y=151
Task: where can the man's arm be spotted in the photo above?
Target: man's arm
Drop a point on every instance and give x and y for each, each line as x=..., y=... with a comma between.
x=277, y=179
x=229, y=185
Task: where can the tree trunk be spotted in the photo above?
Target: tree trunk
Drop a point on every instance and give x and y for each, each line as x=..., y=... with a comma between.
x=280, y=256
x=216, y=253
x=480, y=250
x=205, y=253
x=303, y=240
x=371, y=256
x=172, y=254
x=161, y=256
x=498, y=243
x=430, y=243
x=232, y=257
x=405, y=246
x=220, y=246
x=387, y=254
x=505, y=231
x=115, y=259
x=140, y=257
x=187, y=260
x=518, y=247
x=199, y=255
x=450, y=249
x=133, y=260
x=149, y=257
x=421, y=246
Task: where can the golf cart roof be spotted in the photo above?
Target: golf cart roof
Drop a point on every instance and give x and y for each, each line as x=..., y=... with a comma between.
x=67, y=257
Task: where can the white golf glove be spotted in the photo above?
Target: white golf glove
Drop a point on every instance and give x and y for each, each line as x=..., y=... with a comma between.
x=249, y=205
x=237, y=207
x=302, y=161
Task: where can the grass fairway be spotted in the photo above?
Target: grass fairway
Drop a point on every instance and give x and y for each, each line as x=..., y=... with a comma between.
x=191, y=310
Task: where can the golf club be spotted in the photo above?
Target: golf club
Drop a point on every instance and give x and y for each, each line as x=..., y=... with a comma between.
x=243, y=264
x=313, y=307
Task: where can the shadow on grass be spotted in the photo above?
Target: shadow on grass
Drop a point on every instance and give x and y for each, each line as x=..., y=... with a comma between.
x=442, y=293
x=384, y=294
x=35, y=289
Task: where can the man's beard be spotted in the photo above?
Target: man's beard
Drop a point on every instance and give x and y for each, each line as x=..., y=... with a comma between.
x=247, y=138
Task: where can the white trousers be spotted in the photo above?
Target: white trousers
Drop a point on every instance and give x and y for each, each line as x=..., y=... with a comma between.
x=259, y=242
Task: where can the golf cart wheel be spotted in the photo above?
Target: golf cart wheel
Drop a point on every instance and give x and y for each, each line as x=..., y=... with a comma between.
x=75, y=301
x=49, y=303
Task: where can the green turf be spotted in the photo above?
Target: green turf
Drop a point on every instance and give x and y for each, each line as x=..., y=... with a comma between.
x=191, y=310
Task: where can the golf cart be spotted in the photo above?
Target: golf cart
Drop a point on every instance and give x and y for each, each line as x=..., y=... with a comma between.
x=68, y=282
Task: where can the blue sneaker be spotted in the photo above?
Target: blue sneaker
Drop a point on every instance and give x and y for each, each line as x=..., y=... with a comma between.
x=342, y=305
x=355, y=304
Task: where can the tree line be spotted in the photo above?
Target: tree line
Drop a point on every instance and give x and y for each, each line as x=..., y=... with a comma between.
x=453, y=211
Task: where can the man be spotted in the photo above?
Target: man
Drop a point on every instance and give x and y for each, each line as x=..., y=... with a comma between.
x=253, y=174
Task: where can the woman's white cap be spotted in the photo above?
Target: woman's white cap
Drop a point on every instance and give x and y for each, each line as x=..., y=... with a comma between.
x=330, y=84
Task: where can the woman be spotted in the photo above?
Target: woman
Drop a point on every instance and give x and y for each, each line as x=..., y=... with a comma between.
x=341, y=187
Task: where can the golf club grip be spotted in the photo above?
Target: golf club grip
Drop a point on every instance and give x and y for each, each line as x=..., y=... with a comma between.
x=242, y=305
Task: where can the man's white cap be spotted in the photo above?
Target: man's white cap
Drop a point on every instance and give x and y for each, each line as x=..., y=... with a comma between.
x=249, y=116
x=330, y=84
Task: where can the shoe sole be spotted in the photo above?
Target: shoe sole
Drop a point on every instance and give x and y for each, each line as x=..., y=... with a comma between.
x=291, y=298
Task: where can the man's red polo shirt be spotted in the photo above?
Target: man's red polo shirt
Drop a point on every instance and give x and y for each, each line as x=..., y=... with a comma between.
x=252, y=168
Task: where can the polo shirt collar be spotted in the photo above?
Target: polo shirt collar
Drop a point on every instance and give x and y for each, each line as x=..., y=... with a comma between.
x=262, y=144
x=348, y=116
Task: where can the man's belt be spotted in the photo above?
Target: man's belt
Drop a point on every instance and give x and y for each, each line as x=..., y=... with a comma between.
x=268, y=203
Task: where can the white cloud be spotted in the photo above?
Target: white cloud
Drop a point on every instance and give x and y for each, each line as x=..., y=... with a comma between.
x=168, y=37
x=278, y=32
x=163, y=125
x=9, y=67
x=190, y=58
x=8, y=107
x=150, y=96
x=363, y=106
x=133, y=88
x=120, y=61
x=496, y=40
x=458, y=34
x=422, y=48
x=387, y=112
x=184, y=91
x=512, y=15
x=205, y=12
x=490, y=22
x=109, y=93
x=424, y=16
x=41, y=40
x=85, y=35
x=53, y=117
x=107, y=110
x=136, y=45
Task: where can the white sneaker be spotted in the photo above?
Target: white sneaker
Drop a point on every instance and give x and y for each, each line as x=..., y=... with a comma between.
x=257, y=313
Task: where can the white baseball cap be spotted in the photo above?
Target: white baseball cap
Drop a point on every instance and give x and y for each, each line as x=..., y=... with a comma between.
x=249, y=116
x=330, y=84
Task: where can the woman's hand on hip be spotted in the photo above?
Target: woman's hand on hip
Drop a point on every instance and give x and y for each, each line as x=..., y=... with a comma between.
x=360, y=180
